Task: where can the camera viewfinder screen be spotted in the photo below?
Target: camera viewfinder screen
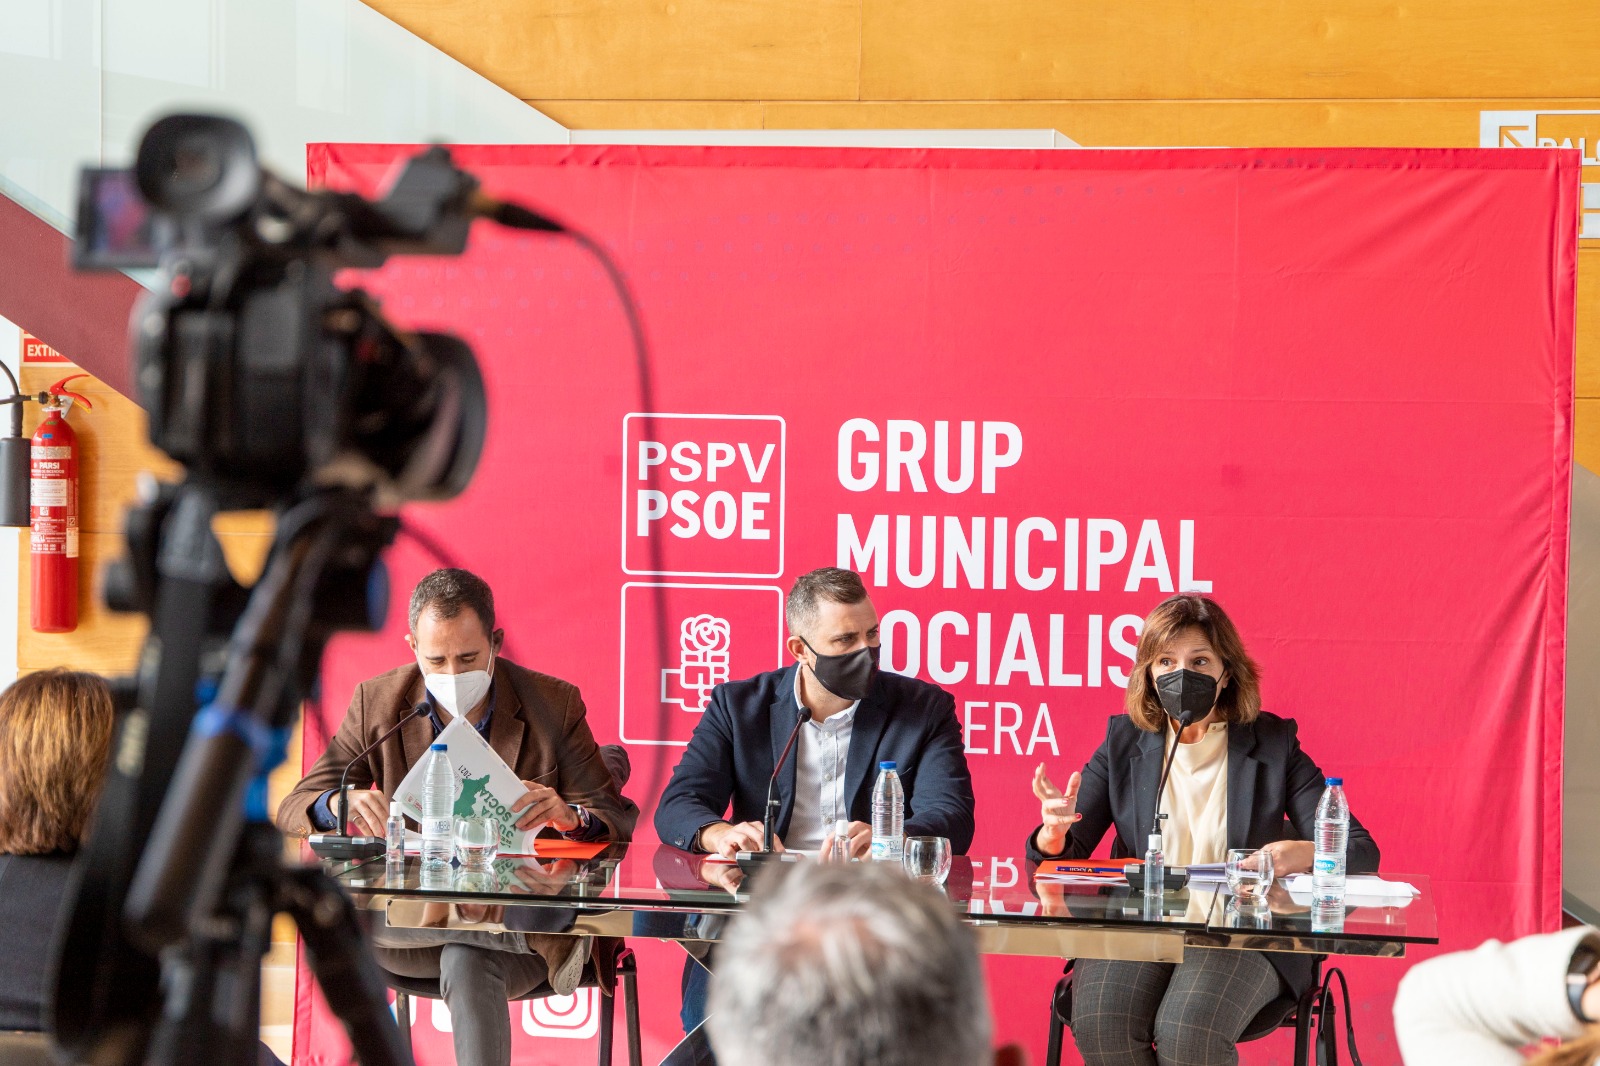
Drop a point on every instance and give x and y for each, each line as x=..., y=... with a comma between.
x=114, y=222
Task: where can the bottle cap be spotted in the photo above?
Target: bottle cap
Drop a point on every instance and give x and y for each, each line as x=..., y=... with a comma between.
x=394, y=808
x=886, y=766
x=1335, y=781
x=438, y=747
x=1155, y=842
x=841, y=829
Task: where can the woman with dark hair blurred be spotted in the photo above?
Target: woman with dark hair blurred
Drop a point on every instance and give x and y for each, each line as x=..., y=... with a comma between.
x=1239, y=780
x=55, y=733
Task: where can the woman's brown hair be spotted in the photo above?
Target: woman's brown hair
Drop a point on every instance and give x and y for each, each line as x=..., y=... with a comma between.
x=1239, y=702
x=55, y=734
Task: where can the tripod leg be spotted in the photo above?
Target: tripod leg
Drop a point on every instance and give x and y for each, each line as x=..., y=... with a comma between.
x=212, y=992
x=345, y=970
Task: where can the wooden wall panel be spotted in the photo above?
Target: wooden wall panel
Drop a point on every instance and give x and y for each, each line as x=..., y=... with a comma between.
x=1162, y=124
x=113, y=437
x=114, y=451
x=656, y=114
x=1243, y=49
x=648, y=49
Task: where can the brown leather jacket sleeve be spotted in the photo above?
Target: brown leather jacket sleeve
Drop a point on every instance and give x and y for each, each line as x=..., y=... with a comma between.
x=585, y=778
x=294, y=813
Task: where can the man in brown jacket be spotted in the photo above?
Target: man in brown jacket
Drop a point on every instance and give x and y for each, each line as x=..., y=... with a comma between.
x=537, y=724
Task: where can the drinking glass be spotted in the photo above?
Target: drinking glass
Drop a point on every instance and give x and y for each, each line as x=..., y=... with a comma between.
x=926, y=859
x=477, y=842
x=1249, y=875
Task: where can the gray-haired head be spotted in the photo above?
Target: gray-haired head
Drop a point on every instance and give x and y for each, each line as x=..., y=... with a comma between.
x=446, y=592
x=840, y=965
x=830, y=583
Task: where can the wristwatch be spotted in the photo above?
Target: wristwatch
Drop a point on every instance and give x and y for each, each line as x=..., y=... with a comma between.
x=1579, y=970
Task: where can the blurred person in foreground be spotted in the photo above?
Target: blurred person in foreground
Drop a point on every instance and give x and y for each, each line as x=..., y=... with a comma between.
x=55, y=734
x=1481, y=1007
x=850, y=965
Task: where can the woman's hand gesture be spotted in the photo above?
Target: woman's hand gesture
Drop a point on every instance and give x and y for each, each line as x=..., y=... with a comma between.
x=1057, y=809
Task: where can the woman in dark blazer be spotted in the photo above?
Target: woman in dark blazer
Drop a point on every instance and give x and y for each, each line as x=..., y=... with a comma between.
x=1239, y=780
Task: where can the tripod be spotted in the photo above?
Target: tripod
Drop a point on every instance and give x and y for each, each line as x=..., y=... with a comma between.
x=201, y=896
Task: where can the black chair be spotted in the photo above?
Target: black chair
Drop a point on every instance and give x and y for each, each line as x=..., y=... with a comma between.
x=405, y=988
x=1285, y=1012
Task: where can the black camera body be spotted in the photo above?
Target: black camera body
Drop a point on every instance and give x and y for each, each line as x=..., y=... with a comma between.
x=257, y=371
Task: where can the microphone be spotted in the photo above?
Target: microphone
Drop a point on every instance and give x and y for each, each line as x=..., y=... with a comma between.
x=1181, y=722
x=767, y=852
x=342, y=845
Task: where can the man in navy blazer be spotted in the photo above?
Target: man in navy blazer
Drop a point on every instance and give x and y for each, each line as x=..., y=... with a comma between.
x=856, y=718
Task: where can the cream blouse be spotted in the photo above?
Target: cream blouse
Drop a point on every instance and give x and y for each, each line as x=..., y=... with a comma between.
x=1196, y=797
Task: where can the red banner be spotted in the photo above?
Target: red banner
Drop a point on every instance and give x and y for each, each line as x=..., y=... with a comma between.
x=1027, y=394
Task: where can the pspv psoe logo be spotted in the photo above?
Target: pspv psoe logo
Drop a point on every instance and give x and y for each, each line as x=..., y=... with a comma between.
x=680, y=641
x=703, y=495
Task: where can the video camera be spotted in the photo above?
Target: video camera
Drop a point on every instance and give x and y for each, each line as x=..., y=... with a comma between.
x=275, y=388
x=256, y=370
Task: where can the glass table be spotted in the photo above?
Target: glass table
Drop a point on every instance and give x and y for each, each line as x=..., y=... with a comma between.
x=657, y=891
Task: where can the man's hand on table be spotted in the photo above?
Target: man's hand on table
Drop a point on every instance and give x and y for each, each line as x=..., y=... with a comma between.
x=369, y=811
x=541, y=804
x=725, y=839
x=859, y=834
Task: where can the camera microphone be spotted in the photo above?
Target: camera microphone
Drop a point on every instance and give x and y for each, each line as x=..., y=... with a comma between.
x=512, y=215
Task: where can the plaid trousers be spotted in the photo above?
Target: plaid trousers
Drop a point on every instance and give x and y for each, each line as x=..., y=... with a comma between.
x=1172, y=1014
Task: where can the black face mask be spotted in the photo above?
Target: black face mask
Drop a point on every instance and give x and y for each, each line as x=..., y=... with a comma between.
x=1186, y=695
x=847, y=676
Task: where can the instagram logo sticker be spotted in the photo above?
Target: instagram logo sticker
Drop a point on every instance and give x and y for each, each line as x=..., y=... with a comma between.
x=713, y=634
x=574, y=1017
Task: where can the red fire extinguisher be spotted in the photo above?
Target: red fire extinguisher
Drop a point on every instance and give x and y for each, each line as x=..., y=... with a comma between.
x=53, y=499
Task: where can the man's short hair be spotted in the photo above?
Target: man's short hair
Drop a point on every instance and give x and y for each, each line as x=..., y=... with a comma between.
x=446, y=592
x=829, y=584
x=848, y=965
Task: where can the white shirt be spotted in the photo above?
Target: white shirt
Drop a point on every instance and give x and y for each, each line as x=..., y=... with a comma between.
x=819, y=757
x=1196, y=797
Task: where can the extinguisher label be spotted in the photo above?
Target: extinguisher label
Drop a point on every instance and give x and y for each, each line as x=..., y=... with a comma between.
x=72, y=542
x=49, y=492
x=51, y=451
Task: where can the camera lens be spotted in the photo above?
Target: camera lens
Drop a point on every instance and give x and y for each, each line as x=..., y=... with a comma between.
x=198, y=166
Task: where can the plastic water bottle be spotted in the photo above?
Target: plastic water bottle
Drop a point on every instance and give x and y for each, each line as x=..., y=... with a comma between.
x=888, y=815
x=394, y=832
x=1333, y=831
x=438, y=808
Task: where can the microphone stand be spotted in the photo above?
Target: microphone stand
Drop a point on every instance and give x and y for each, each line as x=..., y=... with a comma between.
x=418, y=711
x=1179, y=725
x=757, y=859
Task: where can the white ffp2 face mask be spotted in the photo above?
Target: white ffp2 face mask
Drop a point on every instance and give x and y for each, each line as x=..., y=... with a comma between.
x=458, y=693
